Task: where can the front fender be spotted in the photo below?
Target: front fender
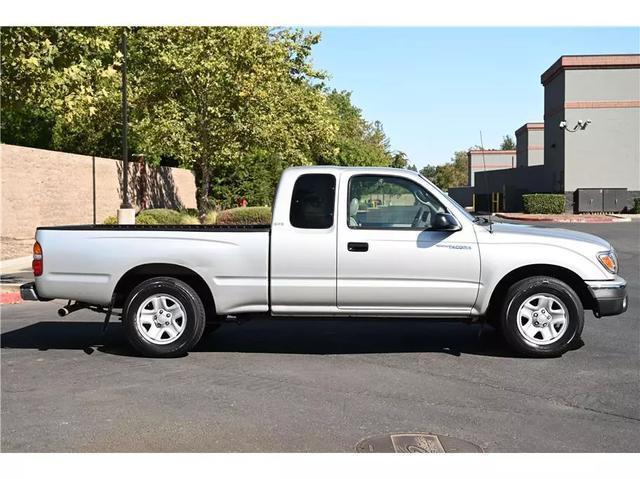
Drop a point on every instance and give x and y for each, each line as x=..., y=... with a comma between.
x=498, y=260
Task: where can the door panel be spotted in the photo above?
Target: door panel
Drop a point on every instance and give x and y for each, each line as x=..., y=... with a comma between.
x=407, y=270
x=303, y=247
x=402, y=268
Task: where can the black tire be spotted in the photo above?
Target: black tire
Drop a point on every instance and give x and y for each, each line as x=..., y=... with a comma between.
x=195, y=317
x=523, y=290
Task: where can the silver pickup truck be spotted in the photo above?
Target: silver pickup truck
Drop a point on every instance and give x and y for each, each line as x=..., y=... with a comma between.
x=344, y=242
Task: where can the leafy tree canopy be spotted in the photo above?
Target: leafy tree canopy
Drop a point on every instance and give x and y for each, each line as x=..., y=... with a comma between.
x=453, y=173
x=60, y=88
x=356, y=142
x=237, y=105
x=507, y=143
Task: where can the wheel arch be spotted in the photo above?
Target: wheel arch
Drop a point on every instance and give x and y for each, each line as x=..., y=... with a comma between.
x=558, y=272
x=143, y=272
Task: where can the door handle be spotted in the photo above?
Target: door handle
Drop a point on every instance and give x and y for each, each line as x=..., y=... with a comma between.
x=361, y=247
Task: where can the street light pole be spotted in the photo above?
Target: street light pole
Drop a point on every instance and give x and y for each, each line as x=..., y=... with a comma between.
x=126, y=214
x=125, y=125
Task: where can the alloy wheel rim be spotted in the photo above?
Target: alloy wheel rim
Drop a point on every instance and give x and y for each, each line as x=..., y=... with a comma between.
x=542, y=319
x=161, y=319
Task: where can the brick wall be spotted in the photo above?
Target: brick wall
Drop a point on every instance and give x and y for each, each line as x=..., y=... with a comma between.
x=42, y=187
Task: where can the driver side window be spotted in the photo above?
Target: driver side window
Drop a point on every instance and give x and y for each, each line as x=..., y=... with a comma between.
x=390, y=202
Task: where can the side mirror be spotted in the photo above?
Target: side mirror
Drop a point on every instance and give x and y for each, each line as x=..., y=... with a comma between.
x=445, y=222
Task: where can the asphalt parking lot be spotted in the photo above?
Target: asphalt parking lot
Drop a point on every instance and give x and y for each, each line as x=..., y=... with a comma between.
x=299, y=385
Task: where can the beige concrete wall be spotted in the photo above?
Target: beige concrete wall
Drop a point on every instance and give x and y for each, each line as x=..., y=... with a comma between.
x=41, y=187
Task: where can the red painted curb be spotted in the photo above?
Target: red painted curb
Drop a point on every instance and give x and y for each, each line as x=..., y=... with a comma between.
x=10, y=298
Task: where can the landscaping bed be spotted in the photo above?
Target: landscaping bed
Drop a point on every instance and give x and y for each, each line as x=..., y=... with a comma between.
x=563, y=218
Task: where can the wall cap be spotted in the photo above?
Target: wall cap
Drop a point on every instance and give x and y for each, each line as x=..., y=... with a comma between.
x=492, y=152
x=534, y=125
x=589, y=62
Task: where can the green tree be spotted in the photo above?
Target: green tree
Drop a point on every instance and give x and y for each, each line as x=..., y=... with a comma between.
x=236, y=105
x=212, y=97
x=356, y=142
x=60, y=88
x=452, y=173
x=429, y=172
x=399, y=160
x=507, y=143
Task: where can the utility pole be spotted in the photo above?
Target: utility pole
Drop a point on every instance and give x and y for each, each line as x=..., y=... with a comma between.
x=126, y=214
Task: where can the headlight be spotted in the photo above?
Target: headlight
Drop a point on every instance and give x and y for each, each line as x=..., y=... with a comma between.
x=609, y=261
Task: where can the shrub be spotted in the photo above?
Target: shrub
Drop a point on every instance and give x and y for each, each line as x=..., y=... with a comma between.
x=189, y=220
x=251, y=215
x=211, y=217
x=190, y=212
x=143, y=219
x=163, y=216
x=544, y=203
x=636, y=206
x=158, y=217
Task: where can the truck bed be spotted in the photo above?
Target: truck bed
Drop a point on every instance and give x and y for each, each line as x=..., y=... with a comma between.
x=87, y=262
x=209, y=228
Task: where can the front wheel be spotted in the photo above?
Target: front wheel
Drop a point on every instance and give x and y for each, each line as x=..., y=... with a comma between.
x=542, y=317
x=164, y=317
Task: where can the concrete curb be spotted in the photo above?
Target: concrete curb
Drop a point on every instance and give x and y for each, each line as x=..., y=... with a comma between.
x=592, y=219
x=627, y=216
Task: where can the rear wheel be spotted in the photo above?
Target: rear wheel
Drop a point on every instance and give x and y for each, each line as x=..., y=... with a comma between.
x=541, y=317
x=164, y=317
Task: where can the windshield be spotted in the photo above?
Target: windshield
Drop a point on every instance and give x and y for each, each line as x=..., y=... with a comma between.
x=453, y=202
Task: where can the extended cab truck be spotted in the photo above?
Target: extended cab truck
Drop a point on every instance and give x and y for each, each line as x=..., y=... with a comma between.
x=344, y=242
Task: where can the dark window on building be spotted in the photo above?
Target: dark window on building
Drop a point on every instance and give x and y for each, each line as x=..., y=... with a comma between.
x=312, y=202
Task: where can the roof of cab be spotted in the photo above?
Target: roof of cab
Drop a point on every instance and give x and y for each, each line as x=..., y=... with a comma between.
x=367, y=169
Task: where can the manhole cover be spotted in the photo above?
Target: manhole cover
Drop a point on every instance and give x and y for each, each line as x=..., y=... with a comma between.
x=415, y=442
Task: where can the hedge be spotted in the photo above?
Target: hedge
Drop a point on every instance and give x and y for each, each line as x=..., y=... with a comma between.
x=544, y=203
x=159, y=216
x=636, y=206
x=250, y=215
x=146, y=220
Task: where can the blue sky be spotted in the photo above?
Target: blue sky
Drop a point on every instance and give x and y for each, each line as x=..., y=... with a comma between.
x=434, y=89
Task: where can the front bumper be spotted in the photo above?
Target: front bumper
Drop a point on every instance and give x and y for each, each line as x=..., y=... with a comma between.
x=28, y=292
x=610, y=297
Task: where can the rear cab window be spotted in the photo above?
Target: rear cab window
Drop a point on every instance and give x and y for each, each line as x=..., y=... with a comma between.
x=313, y=201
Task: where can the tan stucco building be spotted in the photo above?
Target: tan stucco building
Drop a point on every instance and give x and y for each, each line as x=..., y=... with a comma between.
x=589, y=142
